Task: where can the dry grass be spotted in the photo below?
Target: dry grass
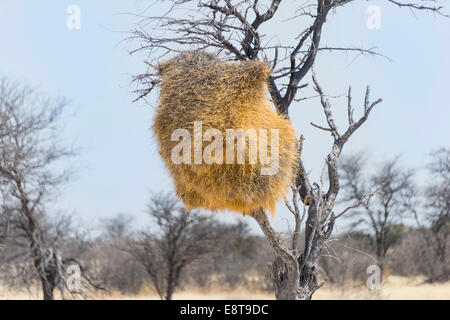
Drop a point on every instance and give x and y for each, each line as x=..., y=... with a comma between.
x=393, y=288
x=223, y=95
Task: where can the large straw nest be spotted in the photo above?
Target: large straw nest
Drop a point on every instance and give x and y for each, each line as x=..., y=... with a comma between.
x=223, y=95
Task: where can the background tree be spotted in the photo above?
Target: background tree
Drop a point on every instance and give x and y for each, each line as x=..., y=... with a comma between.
x=240, y=263
x=232, y=30
x=181, y=237
x=383, y=216
x=438, y=203
x=114, y=268
x=30, y=152
x=433, y=216
x=117, y=227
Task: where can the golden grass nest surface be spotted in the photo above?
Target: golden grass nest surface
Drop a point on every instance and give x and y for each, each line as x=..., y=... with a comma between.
x=197, y=86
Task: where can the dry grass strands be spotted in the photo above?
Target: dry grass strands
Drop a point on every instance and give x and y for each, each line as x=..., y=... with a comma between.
x=223, y=95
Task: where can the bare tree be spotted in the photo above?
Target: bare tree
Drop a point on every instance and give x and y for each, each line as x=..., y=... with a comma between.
x=433, y=216
x=113, y=265
x=438, y=200
x=232, y=30
x=382, y=217
x=117, y=227
x=30, y=151
x=181, y=237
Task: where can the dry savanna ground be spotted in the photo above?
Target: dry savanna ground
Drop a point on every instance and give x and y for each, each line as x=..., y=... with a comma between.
x=393, y=287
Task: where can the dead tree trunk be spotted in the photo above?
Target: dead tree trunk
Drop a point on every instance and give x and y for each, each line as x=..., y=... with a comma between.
x=295, y=273
x=47, y=289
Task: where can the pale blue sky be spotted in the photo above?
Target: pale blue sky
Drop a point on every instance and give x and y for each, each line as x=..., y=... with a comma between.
x=92, y=68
